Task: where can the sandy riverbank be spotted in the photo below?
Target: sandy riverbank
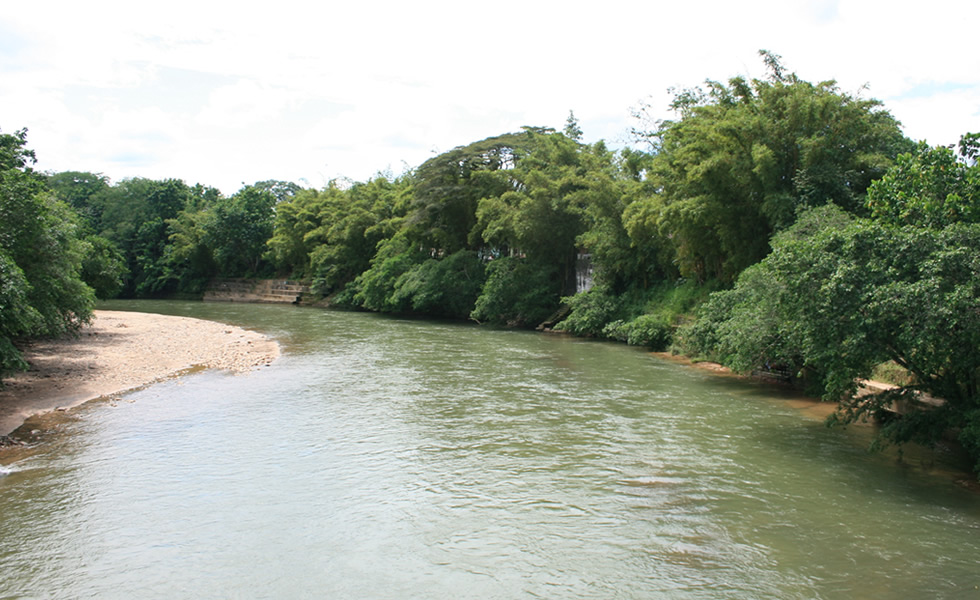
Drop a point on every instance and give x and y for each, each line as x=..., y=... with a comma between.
x=122, y=351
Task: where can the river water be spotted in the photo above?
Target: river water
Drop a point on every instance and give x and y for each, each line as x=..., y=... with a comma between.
x=391, y=458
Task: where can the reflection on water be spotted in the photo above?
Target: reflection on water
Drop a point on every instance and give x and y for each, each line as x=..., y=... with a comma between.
x=388, y=458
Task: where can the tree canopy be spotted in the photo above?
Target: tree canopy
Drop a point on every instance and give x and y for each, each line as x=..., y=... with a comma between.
x=839, y=295
x=745, y=157
x=41, y=289
x=815, y=237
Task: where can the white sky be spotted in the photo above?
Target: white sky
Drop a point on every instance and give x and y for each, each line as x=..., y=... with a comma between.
x=230, y=93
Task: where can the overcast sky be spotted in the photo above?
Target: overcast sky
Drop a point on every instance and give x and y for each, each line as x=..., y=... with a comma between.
x=224, y=93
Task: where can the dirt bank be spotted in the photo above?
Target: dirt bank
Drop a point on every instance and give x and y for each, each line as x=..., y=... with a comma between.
x=122, y=351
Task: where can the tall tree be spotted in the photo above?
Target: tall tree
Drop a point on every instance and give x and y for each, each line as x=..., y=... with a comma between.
x=237, y=230
x=745, y=157
x=41, y=290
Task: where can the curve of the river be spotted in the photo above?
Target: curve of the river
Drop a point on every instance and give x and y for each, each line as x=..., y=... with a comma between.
x=392, y=458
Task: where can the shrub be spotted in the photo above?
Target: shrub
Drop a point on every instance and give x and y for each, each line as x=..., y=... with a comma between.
x=517, y=293
x=653, y=331
x=445, y=287
x=591, y=311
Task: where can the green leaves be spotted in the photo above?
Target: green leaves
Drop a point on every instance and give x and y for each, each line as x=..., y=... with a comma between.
x=41, y=290
x=518, y=293
x=928, y=188
x=746, y=157
x=236, y=229
x=838, y=296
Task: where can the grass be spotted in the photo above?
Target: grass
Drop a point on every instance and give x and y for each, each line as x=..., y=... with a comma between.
x=889, y=372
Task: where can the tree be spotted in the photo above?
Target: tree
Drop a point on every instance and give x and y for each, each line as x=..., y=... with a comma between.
x=572, y=130
x=81, y=191
x=135, y=216
x=447, y=287
x=236, y=229
x=929, y=187
x=518, y=293
x=745, y=157
x=353, y=226
x=41, y=290
x=448, y=187
x=839, y=296
x=104, y=265
x=296, y=219
x=281, y=190
x=187, y=257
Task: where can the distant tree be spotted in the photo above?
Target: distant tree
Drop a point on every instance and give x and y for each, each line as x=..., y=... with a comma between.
x=281, y=190
x=572, y=130
x=449, y=186
x=518, y=293
x=237, y=230
x=187, y=257
x=296, y=219
x=80, y=190
x=447, y=287
x=970, y=148
x=135, y=216
x=104, y=266
x=353, y=225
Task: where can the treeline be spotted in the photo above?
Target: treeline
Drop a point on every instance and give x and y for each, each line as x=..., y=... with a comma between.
x=814, y=236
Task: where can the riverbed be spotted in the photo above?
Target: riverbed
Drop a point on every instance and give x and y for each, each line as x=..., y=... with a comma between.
x=392, y=458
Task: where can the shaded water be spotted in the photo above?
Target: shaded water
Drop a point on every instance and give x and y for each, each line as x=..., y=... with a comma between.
x=389, y=458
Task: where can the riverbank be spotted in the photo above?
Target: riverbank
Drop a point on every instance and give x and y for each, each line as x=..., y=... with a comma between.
x=122, y=351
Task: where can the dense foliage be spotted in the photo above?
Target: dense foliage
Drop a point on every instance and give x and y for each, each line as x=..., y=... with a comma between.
x=745, y=157
x=815, y=237
x=41, y=257
x=839, y=295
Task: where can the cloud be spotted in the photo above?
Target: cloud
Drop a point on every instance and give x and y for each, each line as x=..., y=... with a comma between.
x=244, y=104
x=312, y=92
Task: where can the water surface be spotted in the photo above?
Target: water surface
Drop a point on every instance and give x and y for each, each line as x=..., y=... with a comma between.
x=393, y=458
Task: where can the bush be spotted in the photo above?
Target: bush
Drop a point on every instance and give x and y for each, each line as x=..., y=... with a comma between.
x=653, y=331
x=969, y=437
x=445, y=287
x=591, y=311
x=890, y=372
x=518, y=293
x=376, y=287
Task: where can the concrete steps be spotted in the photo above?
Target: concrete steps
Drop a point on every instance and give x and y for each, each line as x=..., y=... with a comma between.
x=273, y=291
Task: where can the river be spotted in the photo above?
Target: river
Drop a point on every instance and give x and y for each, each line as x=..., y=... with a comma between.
x=392, y=458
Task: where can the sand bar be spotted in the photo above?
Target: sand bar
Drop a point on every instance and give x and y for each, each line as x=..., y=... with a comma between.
x=121, y=351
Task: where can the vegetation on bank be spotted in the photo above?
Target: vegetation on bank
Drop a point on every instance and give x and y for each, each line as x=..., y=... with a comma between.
x=772, y=223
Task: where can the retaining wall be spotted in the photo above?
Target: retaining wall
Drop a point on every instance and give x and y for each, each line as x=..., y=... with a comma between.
x=274, y=291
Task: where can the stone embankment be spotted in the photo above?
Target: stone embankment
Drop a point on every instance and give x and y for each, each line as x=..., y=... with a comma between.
x=273, y=291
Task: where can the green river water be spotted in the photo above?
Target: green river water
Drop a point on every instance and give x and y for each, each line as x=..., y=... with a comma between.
x=392, y=458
